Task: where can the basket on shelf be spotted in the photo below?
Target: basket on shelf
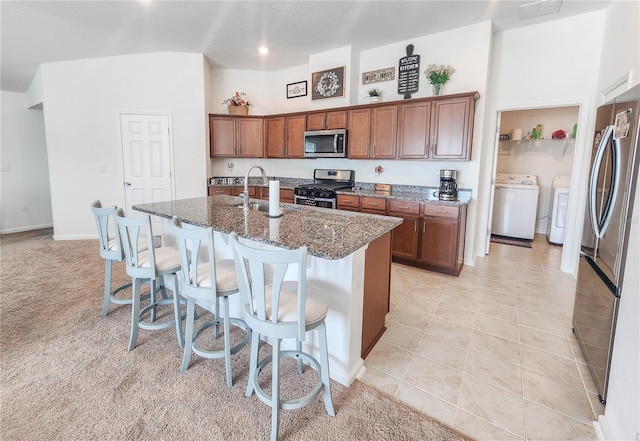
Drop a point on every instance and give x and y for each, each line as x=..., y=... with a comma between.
x=238, y=110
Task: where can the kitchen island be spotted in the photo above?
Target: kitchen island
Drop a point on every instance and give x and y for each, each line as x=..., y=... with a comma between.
x=349, y=259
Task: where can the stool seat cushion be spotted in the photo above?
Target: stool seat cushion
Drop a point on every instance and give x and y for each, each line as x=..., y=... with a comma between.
x=142, y=244
x=166, y=259
x=314, y=311
x=225, y=275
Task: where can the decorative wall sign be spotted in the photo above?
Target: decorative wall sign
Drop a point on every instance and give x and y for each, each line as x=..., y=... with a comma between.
x=296, y=90
x=377, y=76
x=327, y=84
x=408, y=73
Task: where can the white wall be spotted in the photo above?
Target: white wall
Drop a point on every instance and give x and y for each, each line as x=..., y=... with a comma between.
x=24, y=179
x=82, y=101
x=561, y=73
x=621, y=59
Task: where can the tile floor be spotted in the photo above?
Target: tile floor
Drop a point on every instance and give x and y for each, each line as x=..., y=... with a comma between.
x=491, y=352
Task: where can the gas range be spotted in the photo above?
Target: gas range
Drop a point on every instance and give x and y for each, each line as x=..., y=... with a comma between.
x=322, y=192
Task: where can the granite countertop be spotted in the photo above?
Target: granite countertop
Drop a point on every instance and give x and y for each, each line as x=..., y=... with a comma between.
x=416, y=193
x=329, y=234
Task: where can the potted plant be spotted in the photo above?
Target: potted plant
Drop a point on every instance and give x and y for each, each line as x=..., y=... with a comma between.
x=438, y=74
x=375, y=95
x=237, y=105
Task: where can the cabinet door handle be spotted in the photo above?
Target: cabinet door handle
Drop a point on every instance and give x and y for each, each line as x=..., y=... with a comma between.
x=415, y=226
x=424, y=228
x=404, y=207
x=375, y=204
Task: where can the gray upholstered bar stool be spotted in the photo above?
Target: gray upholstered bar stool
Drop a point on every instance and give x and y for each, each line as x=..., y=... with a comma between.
x=110, y=251
x=207, y=280
x=281, y=309
x=151, y=264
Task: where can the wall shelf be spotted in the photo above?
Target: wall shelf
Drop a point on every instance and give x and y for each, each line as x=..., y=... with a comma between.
x=530, y=144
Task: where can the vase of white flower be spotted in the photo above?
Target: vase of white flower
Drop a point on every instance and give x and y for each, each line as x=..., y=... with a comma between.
x=438, y=74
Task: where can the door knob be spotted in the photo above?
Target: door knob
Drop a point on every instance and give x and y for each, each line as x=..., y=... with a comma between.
x=127, y=183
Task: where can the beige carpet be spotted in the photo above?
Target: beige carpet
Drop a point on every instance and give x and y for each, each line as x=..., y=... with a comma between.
x=67, y=374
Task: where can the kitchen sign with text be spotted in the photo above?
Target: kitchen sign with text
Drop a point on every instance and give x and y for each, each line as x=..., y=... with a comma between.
x=377, y=76
x=408, y=73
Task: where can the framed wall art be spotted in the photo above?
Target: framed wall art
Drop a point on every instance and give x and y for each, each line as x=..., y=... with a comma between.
x=327, y=84
x=296, y=90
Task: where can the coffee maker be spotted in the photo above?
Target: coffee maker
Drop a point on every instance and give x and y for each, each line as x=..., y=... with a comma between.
x=448, y=186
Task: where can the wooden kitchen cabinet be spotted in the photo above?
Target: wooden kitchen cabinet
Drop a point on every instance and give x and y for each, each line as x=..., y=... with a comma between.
x=348, y=202
x=384, y=130
x=234, y=190
x=404, y=238
x=274, y=128
x=286, y=195
x=414, y=130
x=372, y=132
x=236, y=136
x=442, y=231
x=327, y=120
x=452, y=128
x=294, y=131
x=373, y=205
x=375, y=304
x=284, y=136
x=359, y=136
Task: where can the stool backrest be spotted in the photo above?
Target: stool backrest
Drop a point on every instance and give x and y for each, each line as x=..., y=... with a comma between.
x=190, y=243
x=135, y=231
x=261, y=276
x=109, y=248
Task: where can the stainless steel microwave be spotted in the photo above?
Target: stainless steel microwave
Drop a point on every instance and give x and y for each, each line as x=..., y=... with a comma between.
x=325, y=143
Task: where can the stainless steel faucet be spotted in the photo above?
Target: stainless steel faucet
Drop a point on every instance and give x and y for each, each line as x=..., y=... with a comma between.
x=245, y=194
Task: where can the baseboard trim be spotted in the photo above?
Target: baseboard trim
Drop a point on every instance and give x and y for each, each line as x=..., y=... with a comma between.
x=23, y=229
x=603, y=430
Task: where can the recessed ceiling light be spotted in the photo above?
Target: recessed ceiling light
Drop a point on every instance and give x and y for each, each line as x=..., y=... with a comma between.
x=541, y=7
x=263, y=50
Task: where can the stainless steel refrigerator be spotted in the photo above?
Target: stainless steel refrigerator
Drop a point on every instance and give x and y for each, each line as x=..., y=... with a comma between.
x=605, y=239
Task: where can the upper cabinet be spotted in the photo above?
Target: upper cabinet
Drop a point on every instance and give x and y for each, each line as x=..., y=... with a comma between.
x=236, y=136
x=422, y=128
x=414, y=135
x=452, y=128
x=436, y=129
x=372, y=132
x=327, y=120
x=284, y=136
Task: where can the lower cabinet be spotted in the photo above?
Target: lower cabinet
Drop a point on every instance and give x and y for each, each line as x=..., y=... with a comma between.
x=431, y=236
x=234, y=190
x=405, y=236
x=432, y=239
x=442, y=231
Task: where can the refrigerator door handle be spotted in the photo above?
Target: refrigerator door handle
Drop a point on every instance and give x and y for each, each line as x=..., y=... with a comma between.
x=600, y=225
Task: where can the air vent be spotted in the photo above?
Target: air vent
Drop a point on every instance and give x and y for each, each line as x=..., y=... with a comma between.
x=536, y=9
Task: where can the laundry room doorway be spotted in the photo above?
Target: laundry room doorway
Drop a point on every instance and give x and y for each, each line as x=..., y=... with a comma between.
x=533, y=145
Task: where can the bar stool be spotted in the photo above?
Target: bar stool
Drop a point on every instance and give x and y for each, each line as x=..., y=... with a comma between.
x=151, y=264
x=281, y=309
x=110, y=251
x=208, y=281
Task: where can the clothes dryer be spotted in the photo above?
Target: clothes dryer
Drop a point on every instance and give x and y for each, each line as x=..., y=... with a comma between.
x=559, y=202
x=515, y=204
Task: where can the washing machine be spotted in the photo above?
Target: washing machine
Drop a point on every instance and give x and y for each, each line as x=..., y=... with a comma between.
x=558, y=203
x=515, y=203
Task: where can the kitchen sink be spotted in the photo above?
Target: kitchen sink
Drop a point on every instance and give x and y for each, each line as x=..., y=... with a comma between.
x=257, y=206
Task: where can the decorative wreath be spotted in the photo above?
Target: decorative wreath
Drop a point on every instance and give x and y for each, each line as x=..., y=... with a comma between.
x=328, y=84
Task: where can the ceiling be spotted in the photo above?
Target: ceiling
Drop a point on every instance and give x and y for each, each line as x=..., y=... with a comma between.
x=229, y=33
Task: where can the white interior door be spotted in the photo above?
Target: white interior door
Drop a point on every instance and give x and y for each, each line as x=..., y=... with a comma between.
x=146, y=156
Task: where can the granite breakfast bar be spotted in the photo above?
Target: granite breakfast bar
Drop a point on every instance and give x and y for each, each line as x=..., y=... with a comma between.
x=349, y=258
